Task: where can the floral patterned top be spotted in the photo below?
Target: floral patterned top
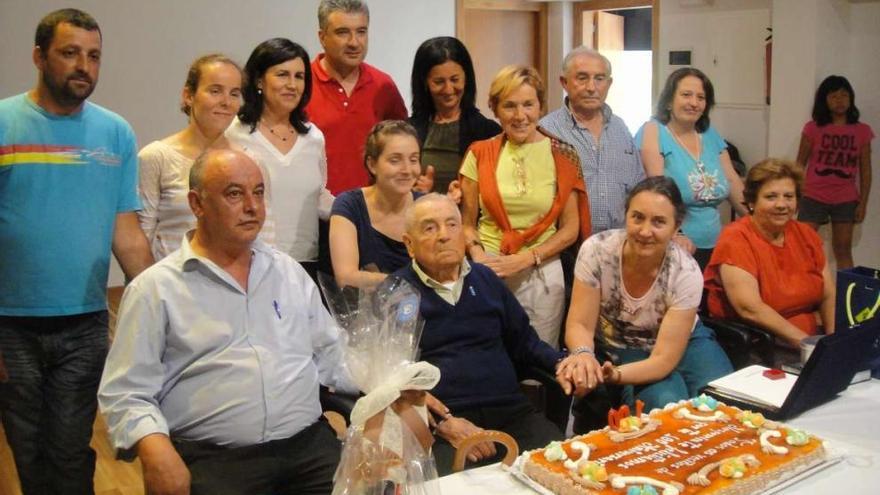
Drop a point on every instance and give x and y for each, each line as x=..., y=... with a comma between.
x=633, y=322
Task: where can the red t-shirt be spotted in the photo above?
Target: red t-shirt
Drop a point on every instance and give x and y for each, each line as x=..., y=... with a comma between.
x=833, y=165
x=346, y=120
x=789, y=277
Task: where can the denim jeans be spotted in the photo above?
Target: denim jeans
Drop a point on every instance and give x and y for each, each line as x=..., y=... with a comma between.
x=49, y=402
x=702, y=362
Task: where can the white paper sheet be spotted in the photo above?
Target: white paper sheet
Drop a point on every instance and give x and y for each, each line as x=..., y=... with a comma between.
x=750, y=383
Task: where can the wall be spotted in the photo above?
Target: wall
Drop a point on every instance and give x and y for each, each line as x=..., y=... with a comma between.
x=727, y=43
x=812, y=39
x=148, y=46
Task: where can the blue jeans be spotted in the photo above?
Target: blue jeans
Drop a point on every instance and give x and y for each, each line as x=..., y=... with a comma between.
x=49, y=402
x=702, y=362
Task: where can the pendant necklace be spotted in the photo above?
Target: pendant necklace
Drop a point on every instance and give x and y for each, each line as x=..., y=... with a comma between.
x=272, y=131
x=703, y=184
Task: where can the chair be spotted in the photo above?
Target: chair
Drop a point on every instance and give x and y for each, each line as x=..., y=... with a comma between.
x=744, y=344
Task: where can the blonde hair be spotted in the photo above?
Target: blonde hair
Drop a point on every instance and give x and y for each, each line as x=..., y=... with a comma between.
x=509, y=79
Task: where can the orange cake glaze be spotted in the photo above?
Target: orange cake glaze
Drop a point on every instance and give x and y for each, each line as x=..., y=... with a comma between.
x=678, y=449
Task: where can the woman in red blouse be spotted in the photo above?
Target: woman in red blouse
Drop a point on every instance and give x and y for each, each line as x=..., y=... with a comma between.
x=768, y=269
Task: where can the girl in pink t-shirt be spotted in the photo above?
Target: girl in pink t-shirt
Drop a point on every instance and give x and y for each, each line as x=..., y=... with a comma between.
x=836, y=149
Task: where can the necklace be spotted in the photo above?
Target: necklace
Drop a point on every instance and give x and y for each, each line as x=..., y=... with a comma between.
x=520, y=174
x=703, y=183
x=289, y=129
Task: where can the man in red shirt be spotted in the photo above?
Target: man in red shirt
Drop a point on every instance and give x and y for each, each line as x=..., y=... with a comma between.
x=349, y=96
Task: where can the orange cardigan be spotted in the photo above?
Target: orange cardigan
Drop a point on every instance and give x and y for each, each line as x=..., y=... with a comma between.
x=569, y=177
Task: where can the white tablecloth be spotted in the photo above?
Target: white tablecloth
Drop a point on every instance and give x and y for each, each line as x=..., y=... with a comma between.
x=850, y=423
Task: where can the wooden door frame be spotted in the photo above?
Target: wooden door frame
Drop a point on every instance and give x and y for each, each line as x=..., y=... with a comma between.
x=578, y=8
x=518, y=5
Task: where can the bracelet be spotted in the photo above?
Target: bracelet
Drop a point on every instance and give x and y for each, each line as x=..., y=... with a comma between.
x=619, y=375
x=536, y=257
x=582, y=350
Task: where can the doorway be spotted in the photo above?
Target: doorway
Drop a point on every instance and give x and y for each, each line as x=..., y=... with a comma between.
x=500, y=33
x=626, y=32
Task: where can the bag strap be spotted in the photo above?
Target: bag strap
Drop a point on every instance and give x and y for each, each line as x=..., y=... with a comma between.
x=865, y=314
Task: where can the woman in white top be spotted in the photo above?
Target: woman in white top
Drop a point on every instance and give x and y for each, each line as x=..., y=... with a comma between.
x=273, y=128
x=211, y=98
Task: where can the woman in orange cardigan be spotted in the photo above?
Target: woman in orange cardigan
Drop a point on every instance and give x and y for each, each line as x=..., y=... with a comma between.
x=524, y=200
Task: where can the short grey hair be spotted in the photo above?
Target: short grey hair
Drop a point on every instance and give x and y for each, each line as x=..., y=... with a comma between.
x=327, y=7
x=197, y=171
x=410, y=215
x=584, y=51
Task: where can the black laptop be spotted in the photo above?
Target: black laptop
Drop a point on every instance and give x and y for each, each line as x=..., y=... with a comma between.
x=827, y=372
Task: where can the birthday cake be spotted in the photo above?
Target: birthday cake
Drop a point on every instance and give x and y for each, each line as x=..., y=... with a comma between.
x=700, y=446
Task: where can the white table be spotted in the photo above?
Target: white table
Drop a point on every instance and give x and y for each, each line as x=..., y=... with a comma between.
x=850, y=423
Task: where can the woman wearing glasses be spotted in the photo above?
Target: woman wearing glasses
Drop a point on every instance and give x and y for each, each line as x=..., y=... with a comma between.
x=523, y=200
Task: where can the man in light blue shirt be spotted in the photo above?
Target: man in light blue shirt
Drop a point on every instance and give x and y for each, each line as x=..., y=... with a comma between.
x=608, y=156
x=213, y=376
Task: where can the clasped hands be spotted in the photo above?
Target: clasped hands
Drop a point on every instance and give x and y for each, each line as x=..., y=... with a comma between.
x=581, y=373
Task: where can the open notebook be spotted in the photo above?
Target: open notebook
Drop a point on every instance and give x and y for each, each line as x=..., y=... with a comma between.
x=830, y=369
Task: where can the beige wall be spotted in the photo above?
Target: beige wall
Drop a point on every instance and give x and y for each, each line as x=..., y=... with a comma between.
x=813, y=39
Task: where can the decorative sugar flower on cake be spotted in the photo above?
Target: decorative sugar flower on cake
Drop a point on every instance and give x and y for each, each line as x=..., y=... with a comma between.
x=704, y=403
x=641, y=490
x=752, y=419
x=733, y=468
x=624, y=426
x=796, y=437
x=642, y=483
x=592, y=471
x=554, y=452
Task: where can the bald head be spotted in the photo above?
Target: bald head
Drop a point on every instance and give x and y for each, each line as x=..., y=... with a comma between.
x=434, y=236
x=226, y=197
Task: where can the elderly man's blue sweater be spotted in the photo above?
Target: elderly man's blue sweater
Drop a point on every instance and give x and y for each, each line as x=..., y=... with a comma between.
x=478, y=343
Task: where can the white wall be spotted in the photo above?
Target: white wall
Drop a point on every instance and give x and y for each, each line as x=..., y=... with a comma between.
x=813, y=39
x=559, y=36
x=148, y=46
x=726, y=40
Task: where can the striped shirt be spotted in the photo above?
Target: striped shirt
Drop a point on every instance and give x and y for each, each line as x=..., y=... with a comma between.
x=611, y=168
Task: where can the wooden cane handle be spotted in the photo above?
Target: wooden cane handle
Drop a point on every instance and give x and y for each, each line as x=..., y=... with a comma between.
x=485, y=436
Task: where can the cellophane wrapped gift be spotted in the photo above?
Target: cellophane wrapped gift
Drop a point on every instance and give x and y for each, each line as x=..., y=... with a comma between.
x=387, y=449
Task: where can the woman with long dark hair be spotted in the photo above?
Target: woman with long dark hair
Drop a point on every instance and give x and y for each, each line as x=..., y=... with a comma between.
x=444, y=112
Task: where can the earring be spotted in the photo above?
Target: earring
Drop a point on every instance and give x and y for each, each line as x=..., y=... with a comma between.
x=259, y=91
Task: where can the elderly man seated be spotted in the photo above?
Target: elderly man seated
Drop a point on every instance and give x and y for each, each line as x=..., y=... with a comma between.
x=213, y=375
x=475, y=332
